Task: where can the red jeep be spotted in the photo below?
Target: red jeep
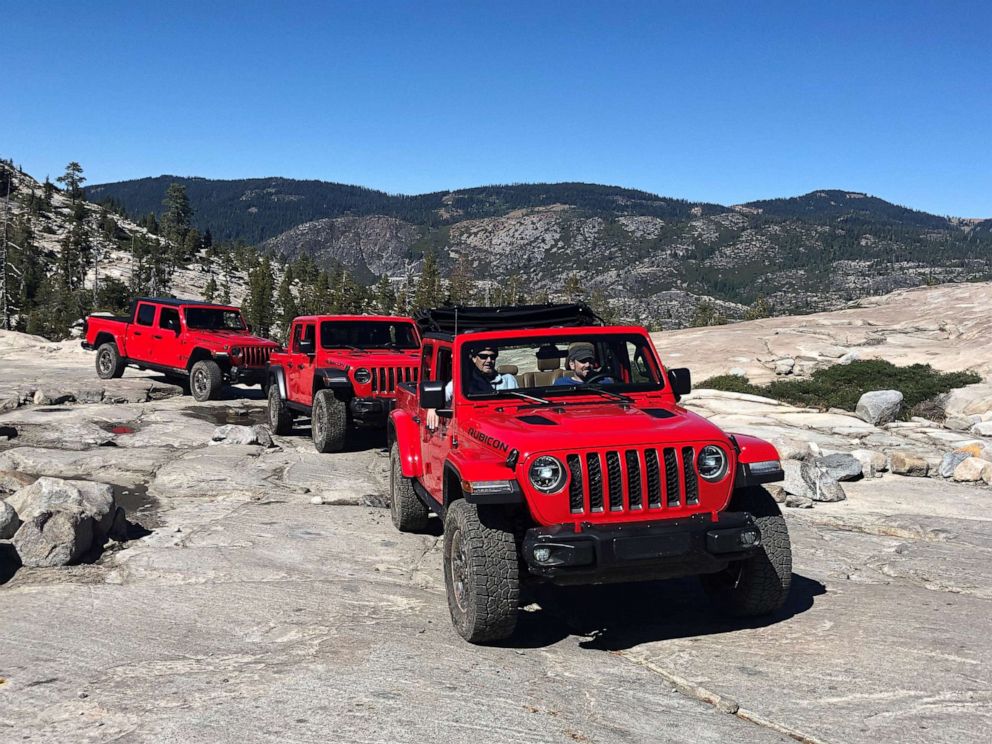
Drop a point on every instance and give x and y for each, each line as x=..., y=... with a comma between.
x=575, y=480
x=339, y=370
x=209, y=344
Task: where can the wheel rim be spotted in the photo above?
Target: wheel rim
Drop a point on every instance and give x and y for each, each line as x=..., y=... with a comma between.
x=316, y=423
x=200, y=382
x=105, y=363
x=459, y=570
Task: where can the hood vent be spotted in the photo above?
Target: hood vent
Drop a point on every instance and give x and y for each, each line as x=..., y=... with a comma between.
x=537, y=420
x=658, y=413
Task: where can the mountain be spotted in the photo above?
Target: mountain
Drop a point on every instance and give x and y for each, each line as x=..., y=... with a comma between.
x=655, y=259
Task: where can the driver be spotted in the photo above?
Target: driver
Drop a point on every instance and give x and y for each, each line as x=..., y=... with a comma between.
x=484, y=378
x=581, y=360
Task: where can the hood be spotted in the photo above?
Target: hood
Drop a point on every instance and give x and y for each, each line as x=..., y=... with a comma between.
x=580, y=426
x=230, y=338
x=369, y=358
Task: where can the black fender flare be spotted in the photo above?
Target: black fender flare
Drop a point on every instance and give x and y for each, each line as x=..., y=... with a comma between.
x=515, y=496
x=277, y=376
x=332, y=378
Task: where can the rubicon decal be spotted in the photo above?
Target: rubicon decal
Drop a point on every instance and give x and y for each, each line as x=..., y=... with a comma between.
x=488, y=440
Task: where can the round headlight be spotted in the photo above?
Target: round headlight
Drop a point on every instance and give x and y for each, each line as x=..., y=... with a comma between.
x=712, y=463
x=235, y=351
x=362, y=375
x=547, y=474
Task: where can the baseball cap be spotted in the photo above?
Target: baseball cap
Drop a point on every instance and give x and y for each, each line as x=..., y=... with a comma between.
x=581, y=350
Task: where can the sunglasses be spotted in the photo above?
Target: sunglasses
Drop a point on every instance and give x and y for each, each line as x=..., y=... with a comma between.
x=486, y=356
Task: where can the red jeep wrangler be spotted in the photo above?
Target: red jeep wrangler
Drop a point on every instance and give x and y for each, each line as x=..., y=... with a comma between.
x=587, y=471
x=209, y=344
x=350, y=376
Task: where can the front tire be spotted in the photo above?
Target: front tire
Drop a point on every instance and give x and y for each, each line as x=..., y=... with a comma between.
x=328, y=422
x=280, y=418
x=758, y=585
x=109, y=364
x=481, y=573
x=408, y=512
x=205, y=380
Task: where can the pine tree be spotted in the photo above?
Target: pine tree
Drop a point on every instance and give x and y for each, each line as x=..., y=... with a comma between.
x=385, y=297
x=258, y=308
x=572, y=289
x=178, y=215
x=210, y=291
x=461, y=284
x=72, y=179
x=287, y=307
x=428, y=292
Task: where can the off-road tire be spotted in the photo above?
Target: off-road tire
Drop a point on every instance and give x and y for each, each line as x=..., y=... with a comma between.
x=109, y=364
x=328, y=422
x=408, y=512
x=758, y=585
x=481, y=573
x=205, y=380
x=280, y=417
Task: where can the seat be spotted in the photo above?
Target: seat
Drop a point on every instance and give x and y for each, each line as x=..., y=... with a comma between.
x=548, y=366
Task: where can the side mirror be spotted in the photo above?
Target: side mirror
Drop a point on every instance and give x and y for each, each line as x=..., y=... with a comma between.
x=681, y=381
x=432, y=395
x=306, y=346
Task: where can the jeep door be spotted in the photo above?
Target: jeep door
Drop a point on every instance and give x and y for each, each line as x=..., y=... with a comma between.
x=139, y=338
x=300, y=376
x=436, y=444
x=168, y=338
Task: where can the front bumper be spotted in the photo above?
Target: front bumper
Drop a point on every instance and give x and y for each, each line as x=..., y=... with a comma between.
x=246, y=375
x=641, y=551
x=371, y=410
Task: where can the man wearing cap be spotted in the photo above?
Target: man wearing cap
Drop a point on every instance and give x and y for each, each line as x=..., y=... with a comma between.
x=484, y=378
x=581, y=360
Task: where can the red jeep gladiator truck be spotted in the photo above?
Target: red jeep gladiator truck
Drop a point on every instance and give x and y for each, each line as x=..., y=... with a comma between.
x=209, y=344
x=341, y=370
x=554, y=449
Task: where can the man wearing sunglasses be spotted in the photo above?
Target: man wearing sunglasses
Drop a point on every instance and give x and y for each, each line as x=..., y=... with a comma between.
x=485, y=378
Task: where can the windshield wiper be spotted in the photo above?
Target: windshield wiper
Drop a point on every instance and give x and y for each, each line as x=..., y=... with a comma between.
x=525, y=396
x=596, y=390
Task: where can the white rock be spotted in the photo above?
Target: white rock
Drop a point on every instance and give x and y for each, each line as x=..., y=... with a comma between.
x=94, y=501
x=972, y=469
x=9, y=521
x=879, y=406
x=983, y=429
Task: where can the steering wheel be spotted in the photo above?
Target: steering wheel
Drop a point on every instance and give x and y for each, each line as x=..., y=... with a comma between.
x=597, y=377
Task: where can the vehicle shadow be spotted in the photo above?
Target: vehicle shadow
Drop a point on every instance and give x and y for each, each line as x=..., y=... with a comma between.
x=359, y=438
x=615, y=617
x=226, y=392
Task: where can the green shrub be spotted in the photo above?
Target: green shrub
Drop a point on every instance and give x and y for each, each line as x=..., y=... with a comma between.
x=841, y=385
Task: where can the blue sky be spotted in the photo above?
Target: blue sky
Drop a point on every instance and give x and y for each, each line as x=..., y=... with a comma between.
x=709, y=101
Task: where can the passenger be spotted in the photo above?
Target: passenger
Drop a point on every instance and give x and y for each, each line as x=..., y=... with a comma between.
x=483, y=378
x=582, y=361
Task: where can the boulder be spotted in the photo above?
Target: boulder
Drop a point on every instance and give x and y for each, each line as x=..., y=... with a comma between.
x=977, y=448
x=873, y=463
x=738, y=372
x=822, y=486
x=89, y=395
x=52, y=397
x=262, y=435
x=904, y=464
x=94, y=501
x=54, y=538
x=791, y=449
x=784, y=366
x=234, y=434
x=798, y=502
x=950, y=462
x=971, y=470
x=879, y=406
x=840, y=467
x=794, y=483
x=14, y=480
x=983, y=429
x=961, y=423
x=9, y=521
x=9, y=401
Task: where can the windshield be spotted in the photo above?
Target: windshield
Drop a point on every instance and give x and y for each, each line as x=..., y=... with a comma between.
x=367, y=334
x=559, y=364
x=213, y=319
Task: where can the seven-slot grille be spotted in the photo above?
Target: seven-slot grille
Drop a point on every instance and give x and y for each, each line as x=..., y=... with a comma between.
x=385, y=379
x=652, y=478
x=255, y=356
